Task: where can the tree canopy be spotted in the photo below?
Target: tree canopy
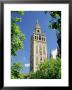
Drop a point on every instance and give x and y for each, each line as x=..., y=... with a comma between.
x=15, y=70
x=55, y=24
x=50, y=69
x=17, y=37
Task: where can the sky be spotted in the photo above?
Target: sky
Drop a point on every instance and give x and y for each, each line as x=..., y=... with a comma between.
x=27, y=26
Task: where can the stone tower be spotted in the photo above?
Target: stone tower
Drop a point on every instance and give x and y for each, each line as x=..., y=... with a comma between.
x=38, y=52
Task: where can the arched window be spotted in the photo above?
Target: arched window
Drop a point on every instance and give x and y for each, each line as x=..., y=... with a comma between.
x=41, y=59
x=35, y=37
x=37, y=30
x=39, y=37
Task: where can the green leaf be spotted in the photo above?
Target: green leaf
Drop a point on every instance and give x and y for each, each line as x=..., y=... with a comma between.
x=18, y=19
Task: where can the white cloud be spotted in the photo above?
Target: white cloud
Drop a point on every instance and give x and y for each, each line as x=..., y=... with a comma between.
x=54, y=53
x=27, y=65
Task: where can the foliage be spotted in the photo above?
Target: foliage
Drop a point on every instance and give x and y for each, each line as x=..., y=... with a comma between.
x=50, y=69
x=20, y=12
x=15, y=70
x=17, y=37
x=55, y=24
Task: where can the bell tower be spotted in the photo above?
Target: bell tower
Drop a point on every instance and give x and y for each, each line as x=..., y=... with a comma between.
x=38, y=52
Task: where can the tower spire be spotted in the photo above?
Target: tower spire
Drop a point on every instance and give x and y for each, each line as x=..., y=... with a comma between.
x=37, y=21
x=37, y=25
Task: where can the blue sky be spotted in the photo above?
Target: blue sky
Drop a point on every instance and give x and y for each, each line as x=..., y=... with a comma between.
x=27, y=27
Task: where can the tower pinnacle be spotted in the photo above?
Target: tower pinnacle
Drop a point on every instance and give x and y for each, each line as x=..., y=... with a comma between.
x=37, y=21
x=37, y=25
